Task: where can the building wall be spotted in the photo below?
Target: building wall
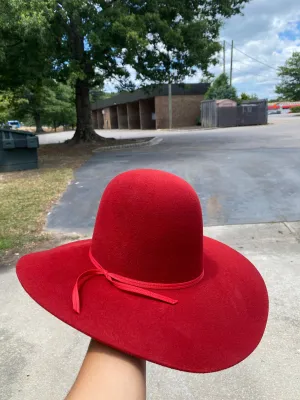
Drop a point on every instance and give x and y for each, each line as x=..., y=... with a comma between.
x=133, y=112
x=113, y=117
x=185, y=110
x=147, y=110
x=122, y=116
x=94, y=119
x=106, y=118
x=100, y=121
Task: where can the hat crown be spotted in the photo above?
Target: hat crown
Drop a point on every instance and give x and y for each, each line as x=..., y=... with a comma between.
x=149, y=228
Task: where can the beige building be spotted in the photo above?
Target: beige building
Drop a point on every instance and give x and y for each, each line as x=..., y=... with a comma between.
x=149, y=109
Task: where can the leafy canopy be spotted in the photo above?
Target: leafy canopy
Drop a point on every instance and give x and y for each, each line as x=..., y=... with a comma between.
x=289, y=88
x=98, y=39
x=5, y=107
x=52, y=104
x=221, y=89
x=85, y=42
x=245, y=96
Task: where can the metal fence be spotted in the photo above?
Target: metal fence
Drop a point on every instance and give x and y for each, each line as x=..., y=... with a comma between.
x=248, y=113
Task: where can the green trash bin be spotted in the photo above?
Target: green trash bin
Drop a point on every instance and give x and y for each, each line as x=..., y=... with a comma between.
x=18, y=150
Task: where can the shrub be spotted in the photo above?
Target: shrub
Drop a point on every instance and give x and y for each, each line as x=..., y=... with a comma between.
x=198, y=121
x=295, y=109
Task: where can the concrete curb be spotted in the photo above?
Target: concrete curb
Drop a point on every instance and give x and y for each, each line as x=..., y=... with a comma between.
x=186, y=130
x=146, y=143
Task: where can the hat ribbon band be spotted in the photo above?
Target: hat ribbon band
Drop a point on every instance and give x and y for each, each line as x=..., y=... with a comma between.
x=127, y=285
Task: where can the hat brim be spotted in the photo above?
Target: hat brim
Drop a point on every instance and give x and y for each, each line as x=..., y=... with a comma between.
x=215, y=324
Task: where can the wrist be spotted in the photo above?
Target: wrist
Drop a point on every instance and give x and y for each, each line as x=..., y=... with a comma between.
x=107, y=351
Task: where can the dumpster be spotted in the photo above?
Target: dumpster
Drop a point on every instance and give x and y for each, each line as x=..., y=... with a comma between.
x=18, y=150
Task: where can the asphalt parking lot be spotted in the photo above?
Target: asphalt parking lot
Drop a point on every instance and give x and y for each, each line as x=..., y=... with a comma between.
x=242, y=175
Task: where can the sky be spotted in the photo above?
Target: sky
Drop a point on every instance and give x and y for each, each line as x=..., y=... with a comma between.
x=269, y=31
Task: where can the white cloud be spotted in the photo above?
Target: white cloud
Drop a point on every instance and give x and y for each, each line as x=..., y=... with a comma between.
x=269, y=32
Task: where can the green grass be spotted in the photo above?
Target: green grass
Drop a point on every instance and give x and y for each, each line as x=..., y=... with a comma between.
x=27, y=196
x=25, y=200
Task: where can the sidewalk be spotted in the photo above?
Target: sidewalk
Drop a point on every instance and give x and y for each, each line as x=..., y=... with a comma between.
x=280, y=123
x=41, y=356
x=59, y=137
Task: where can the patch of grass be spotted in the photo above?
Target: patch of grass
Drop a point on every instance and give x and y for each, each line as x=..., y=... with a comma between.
x=5, y=243
x=27, y=196
x=24, y=202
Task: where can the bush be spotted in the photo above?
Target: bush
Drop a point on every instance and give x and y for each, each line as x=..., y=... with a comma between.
x=198, y=121
x=295, y=109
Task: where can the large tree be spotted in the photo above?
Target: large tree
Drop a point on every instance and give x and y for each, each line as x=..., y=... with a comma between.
x=51, y=104
x=27, y=56
x=289, y=87
x=89, y=41
x=221, y=89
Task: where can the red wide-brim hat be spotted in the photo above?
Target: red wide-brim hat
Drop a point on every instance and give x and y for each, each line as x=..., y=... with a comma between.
x=149, y=283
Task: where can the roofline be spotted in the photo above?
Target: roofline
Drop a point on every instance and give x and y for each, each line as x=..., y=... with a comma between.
x=149, y=92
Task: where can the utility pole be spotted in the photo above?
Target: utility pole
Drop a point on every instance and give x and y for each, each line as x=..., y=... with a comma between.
x=170, y=104
x=224, y=57
x=231, y=63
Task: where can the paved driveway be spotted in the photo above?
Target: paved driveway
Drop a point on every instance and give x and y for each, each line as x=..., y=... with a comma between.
x=242, y=175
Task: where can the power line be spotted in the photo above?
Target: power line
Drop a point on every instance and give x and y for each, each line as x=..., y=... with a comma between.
x=254, y=59
x=253, y=74
x=241, y=62
x=248, y=65
x=257, y=75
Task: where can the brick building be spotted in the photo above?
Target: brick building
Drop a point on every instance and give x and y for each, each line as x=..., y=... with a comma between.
x=148, y=109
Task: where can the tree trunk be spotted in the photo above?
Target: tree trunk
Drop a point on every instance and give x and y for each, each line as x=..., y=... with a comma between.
x=38, y=123
x=84, y=126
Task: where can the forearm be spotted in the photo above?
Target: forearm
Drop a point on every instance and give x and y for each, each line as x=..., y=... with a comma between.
x=107, y=374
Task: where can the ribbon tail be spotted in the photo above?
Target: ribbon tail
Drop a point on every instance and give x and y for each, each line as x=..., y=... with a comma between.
x=75, y=299
x=85, y=276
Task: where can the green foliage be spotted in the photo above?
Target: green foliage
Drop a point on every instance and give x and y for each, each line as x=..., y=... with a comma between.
x=274, y=100
x=295, y=109
x=221, y=89
x=207, y=77
x=51, y=104
x=244, y=96
x=163, y=41
x=85, y=42
x=59, y=106
x=97, y=93
x=289, y=87
x=126, y=86
x=5, y=113
x=8, y=105
x=26, y=48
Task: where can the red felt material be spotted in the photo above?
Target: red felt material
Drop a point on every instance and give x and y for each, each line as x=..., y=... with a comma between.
x=149, y=228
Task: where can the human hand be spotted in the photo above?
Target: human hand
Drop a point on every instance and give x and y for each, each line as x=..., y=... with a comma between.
x=109, y=374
